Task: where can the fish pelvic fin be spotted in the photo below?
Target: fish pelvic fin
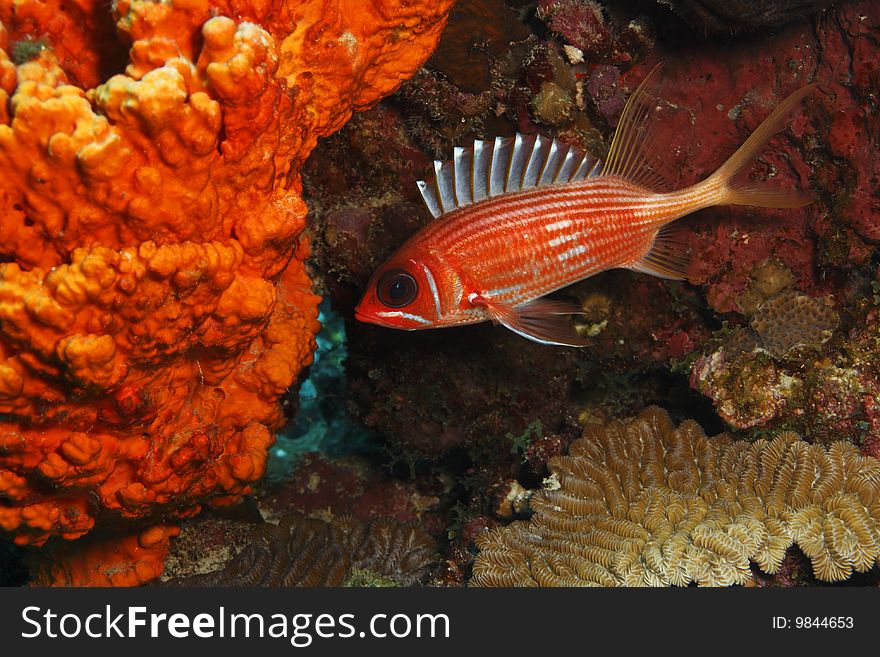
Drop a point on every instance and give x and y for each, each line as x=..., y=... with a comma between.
x=732, y=177
x=543, y=320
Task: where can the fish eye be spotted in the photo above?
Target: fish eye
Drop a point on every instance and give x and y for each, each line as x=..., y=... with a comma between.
x=396, y=288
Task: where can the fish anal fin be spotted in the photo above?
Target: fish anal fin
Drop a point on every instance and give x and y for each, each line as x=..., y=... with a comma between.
x=637, y=152
x=669, y=256
x=544, y=321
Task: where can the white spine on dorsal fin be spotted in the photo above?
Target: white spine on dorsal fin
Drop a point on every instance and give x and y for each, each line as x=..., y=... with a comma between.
x=554, y=160
x=493, y=168
x=444, y=183
x=480, y=171
x=519, y=161
x=569, y=165
x=463, y=177
x=500, y=168
x=430, y=197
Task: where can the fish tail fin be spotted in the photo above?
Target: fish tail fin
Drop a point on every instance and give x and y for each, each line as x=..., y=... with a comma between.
x=732, y=176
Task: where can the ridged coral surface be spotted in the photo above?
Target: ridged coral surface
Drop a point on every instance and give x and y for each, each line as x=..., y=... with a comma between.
x=306, y=552
x=645, y=503
x=153, y=299
x=791, y=320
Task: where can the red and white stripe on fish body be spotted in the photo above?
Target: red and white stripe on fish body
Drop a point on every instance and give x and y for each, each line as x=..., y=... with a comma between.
x=519, y=218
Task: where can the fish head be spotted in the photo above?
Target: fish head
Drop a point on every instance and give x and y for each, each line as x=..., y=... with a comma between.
x=402, y=294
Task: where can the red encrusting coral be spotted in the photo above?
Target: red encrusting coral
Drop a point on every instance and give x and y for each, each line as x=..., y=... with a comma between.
x=154, y=303
x=323, y=487
x=712, y=101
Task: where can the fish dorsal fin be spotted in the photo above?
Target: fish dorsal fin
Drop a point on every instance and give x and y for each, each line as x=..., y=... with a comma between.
x=492, y=168
x=636, y=152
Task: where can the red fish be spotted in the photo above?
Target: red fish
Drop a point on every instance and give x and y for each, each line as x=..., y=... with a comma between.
x=520, y=218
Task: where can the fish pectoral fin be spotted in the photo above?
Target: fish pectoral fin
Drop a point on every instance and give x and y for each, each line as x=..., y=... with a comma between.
x=543, y=320
x=669, y=256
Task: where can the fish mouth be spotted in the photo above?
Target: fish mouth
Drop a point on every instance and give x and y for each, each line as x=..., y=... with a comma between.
x=369, y=318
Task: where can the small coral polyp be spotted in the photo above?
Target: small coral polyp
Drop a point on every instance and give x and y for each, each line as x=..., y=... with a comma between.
x=154, y=304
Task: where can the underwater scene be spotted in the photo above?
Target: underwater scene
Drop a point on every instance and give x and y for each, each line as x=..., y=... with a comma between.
x=394, y=293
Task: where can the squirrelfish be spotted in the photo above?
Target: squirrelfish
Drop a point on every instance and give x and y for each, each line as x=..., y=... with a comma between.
x=520, y=218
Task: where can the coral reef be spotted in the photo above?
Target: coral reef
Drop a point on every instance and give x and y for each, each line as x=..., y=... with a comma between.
x=353, y=226
x=534, y=85
x=646, y=503
x=596, y=32
x=825, y=396
x=769, y=279
x=775, y=329
x=829, y=148
x=325, y=488
x=733, y=15
x=781, y=319
x=209, y=540
x=154, y=303
x=715, y=92
x=471, y=79
x=638, y=321
x=478, y=32
x=305, y=552
x=792, y=367
x=501, y=386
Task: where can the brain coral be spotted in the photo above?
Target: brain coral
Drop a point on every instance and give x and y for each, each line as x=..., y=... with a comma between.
x=153, y=299
x=306, y=552
x=791, y=319
x=645, y=503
